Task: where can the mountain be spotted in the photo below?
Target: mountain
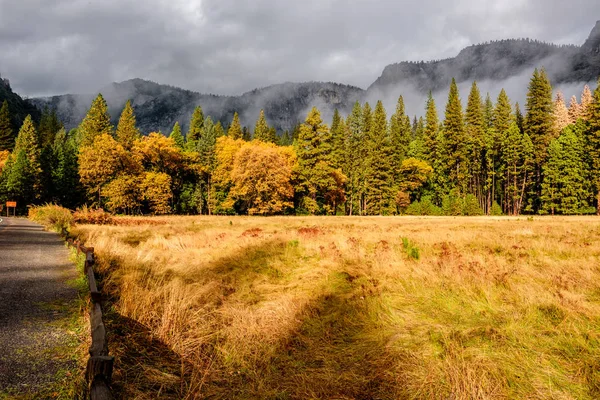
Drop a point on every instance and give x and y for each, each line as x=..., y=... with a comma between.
x=18, y=107
x=158, y=107
x=496, y=61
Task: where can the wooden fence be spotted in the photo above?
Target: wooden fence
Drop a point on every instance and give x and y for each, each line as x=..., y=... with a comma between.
x=100, y=364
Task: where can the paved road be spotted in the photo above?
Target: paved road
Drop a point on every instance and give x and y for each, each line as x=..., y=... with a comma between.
x=34, y=269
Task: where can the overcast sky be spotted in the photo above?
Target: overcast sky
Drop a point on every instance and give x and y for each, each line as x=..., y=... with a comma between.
x=232, y=46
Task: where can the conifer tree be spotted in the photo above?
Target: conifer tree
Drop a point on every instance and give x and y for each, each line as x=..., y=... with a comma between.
x=454, y=137
x=519, y=119
x=586, y=102
x=593, y=142
x=127, y=132
x=431, y=128
x=177, y=136
x=561, y=114
x=27, y=141
x=95, y=123
x=400, y=137
x=196, y=125
x=20, y=178
x=539, y=125
x=338, y=130
x=503, y=116
x=475, y=130
x=320, y=183
x=7, y=140
x=65, y=176
x=219, y=131
x=379, y=180
x=353, y=159
x=488, y=111
x=574, y=110
x=262, y=131
x=235, y=129
x=563, y=188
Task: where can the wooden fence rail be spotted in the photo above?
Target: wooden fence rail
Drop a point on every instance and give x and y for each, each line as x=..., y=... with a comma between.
x=100, y=364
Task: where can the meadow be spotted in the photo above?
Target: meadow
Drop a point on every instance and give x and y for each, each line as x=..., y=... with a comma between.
x=352, y=307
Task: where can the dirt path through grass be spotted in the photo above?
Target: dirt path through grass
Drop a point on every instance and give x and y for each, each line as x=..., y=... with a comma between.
x=37, y=342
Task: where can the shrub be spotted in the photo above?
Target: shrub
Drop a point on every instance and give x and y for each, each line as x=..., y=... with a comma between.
x=471, y=206
x=496, y=209
x=86, y=215
x=53, y=217
x=423, y=207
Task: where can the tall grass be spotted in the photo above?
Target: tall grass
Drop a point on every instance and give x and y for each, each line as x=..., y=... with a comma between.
x=297, y=308
x=53, y=217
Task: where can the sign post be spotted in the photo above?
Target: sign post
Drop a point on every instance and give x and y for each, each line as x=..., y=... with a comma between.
x=13, y=205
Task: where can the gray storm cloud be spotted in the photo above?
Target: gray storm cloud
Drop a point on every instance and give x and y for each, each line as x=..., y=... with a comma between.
x=229, y=47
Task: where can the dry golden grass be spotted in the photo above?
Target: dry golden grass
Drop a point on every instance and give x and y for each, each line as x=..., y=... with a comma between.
x=344, y=308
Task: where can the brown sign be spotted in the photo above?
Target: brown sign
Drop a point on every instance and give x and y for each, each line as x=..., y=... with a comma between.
x=11, y=204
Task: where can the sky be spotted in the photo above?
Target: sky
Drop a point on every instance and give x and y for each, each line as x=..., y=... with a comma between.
x=229, y=47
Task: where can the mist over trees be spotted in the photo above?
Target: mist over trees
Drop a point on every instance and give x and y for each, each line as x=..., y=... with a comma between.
x=481, y=156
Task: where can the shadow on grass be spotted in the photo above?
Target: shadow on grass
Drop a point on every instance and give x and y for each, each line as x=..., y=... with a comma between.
x=336, y=352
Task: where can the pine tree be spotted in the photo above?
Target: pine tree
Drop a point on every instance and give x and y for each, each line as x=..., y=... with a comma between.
x=563, y=188
x=65, y=176
x=379, y=180
x=519, y=119
x=489, y=111
x=400, y=137
x=177, y=136
x=561, y=114
x=586, y=102
x=235, y=129
x=27, y=141
x=7, y=140
x=95, y=123
x=455, y=141
x=354, y=151
x=127, y=132
x=338, y=131
x=592, y=135
x=574, y=110
x=475, y=131
x=219, y=131
x=431, y=128
x=19, y=181
x=321, y=184
x=539, y=125
x=503, y=116
x=195, y=130
x=262, y=131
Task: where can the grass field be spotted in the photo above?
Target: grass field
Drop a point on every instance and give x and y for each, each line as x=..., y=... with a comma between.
x=353, y=308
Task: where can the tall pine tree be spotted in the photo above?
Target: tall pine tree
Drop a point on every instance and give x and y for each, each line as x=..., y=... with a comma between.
x=456, y=149
x=235, y=129
x=95, y=123
x=127, y=132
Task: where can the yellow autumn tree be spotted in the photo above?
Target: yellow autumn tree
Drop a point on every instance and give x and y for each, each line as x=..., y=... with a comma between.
x=261, y=178
x=156, y=187
x=122, y=194
x=101, y=162
x=158, y=153
x=226, y=150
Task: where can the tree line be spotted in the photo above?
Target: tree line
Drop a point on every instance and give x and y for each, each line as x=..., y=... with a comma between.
x=489, y=158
